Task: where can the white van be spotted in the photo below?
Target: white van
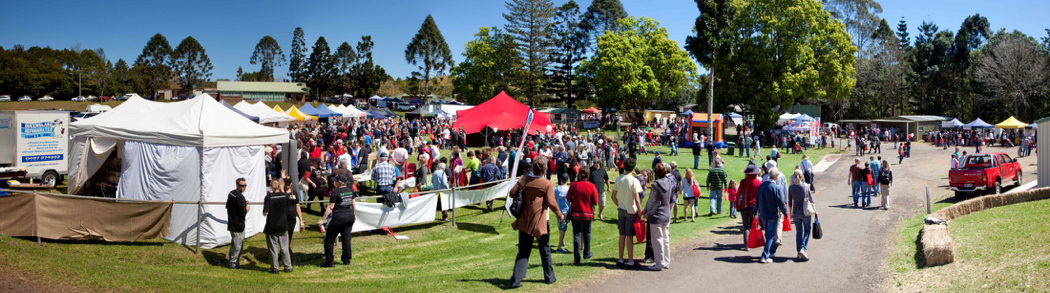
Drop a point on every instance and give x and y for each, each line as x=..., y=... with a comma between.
x=98, y=108
x=37, y=141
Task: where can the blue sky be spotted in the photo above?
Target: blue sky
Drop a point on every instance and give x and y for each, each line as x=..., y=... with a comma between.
x=229, y=30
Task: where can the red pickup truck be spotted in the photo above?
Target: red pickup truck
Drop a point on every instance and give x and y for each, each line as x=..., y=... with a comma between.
x=984, y=171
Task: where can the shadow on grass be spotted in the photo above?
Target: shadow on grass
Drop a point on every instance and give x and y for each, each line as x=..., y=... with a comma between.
x=500, y=283
x=487, y=229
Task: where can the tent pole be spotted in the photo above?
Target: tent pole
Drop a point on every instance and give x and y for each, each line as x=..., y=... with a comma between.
x=453, y=207
x=200, y=204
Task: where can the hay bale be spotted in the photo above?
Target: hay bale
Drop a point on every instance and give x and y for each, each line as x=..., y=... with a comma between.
x=937, y=245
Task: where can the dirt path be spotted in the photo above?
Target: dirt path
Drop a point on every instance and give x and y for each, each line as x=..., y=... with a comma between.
x=850, y=258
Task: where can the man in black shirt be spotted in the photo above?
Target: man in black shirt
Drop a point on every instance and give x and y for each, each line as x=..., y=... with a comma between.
x=710, y=153
x=236, y=209
x=696, y=155
x=600, y=178
x=489, y=173
x=275, y=208
x=317, y=182
x=341, y=207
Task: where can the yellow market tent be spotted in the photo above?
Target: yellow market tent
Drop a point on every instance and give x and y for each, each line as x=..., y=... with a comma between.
x=278, y=108
x=1011, y=123
x=299, y=115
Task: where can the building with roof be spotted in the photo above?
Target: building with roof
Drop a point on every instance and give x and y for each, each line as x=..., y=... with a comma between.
x=235, y=91
x=916, y=125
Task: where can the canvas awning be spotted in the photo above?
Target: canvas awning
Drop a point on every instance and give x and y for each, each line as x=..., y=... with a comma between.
x=592, y=110
x=955, y=123
x=977, y=124
x=1011, y=123
x=310, y=110
x=295, y=113
x=196, y=122
x=326, y=110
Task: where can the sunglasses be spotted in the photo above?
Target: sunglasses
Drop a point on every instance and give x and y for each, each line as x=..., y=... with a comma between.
x=242, y=185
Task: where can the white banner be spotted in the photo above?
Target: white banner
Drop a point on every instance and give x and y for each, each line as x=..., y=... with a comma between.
x=371, y=216
x=472, y=197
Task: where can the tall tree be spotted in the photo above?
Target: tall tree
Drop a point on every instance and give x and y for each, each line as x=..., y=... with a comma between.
x=714, y=36
x=429, y=47
x=319, y=68
x=638, y=63
x=1014, y=72
x=99, y=69
x=903, y=41
x=568, y=47
x=928, y=59
x=121, y=77
x=297, y=64
x=367, y=75
x=345, y=58
x=155, y=60
x=192, y=65
x=860, y=17
x=267, y=53
x=529, y=21
x=788, y=51
x=601, y=16
x=490, y=65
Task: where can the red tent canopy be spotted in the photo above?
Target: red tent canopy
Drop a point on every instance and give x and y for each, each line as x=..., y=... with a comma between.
x=592, y=110
x=501, y=112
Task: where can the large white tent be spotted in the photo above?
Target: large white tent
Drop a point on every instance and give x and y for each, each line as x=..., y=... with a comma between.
x=265, y=114
x=351, y=111
x=183, y=151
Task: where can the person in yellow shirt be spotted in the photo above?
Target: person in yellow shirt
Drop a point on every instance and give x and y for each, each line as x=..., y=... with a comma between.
x=625, y=197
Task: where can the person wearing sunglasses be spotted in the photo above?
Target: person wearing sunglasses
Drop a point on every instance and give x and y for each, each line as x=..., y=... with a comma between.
x=236, y=209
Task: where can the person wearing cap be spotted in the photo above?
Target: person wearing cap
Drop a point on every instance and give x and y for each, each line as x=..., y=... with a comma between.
x=657, y=160
x=341, y=207
x=385, y=176
x=770, y=207
x=807, y=171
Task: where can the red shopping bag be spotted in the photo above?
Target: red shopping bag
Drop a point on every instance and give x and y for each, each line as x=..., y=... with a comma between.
x=639, y=229
x=787, y=223
x=755, y=238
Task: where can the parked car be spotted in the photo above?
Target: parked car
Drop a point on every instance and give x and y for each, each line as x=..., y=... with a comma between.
x=46, y=99
x=984, y=171
x=79, y=99
x=402, y=106
x=5, y=98
x=178, y=98
x=83, y=116
x=25, y=99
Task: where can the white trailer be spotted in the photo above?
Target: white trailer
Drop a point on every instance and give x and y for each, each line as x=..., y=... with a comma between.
x=37, y=141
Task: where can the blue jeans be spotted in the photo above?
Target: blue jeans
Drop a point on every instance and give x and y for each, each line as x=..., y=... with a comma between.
x=748, y=150
x=381, y=190
x=674, y=150
x=802, y=229
x=770, y=227
x=581, y=239
x=856, y=191
x=865, y=193
x=696, y=162
x=716, y=198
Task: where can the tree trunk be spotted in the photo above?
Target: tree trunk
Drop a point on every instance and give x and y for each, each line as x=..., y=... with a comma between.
x=711, y=99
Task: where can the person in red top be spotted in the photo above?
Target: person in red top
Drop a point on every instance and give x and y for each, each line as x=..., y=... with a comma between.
x=745, y=203
x=582, y=197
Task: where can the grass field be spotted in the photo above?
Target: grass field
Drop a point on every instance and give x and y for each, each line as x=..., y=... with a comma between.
x=476, y=255
x=1003, y=249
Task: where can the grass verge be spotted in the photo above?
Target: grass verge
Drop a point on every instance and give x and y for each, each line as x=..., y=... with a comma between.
x=1001, y=249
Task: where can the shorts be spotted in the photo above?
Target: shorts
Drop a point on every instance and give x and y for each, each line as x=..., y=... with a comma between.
x=625, y=223
x=563, y=225
x=601, y=199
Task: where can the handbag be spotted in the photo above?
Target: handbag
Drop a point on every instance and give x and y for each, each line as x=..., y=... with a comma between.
x=639, y=229
x=755, y=238
x=808, y=209
x=870, y=180
x=787, y=223
x=515, y=204
x=696, y=190
x=817, y=232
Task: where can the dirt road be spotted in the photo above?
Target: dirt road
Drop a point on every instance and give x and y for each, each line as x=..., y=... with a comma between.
x=850, y=257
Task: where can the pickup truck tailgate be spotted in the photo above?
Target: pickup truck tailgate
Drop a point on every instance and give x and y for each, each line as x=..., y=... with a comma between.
x=960, y=177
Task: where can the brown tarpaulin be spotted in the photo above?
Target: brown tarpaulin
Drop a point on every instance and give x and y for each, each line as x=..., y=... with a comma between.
x=60, y=217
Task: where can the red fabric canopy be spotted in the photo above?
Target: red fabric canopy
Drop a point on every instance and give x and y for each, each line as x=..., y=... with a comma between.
x=592, y=110
x=501, y=112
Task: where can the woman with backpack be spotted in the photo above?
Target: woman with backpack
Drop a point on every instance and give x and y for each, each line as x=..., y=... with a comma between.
x=886, y=180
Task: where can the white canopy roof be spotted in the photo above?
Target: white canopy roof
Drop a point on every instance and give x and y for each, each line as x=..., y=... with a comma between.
x=351, y=111
x=198, y=122
x=265, y=114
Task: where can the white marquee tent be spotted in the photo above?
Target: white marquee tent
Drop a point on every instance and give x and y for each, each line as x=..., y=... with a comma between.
x=182, y=151
x=267, y=116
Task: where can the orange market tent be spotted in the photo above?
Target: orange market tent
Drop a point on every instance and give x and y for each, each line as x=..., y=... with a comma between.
x=502, y=113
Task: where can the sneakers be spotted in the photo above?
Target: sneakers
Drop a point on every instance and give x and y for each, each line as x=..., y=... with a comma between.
x=802, y=255
x=620, y=263
x=631, y=264
x=765, y=260
x=288, y=270
x=561, y=250
x=655, y=268
x=328, y=264
x=273, y=271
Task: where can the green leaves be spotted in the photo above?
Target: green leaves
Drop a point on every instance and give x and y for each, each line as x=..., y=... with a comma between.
x=320, y=68
x=155, y=59
x=191, y=64
x=635, y=64
x=268, y=54
x=491, y=64
x=428, y=46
